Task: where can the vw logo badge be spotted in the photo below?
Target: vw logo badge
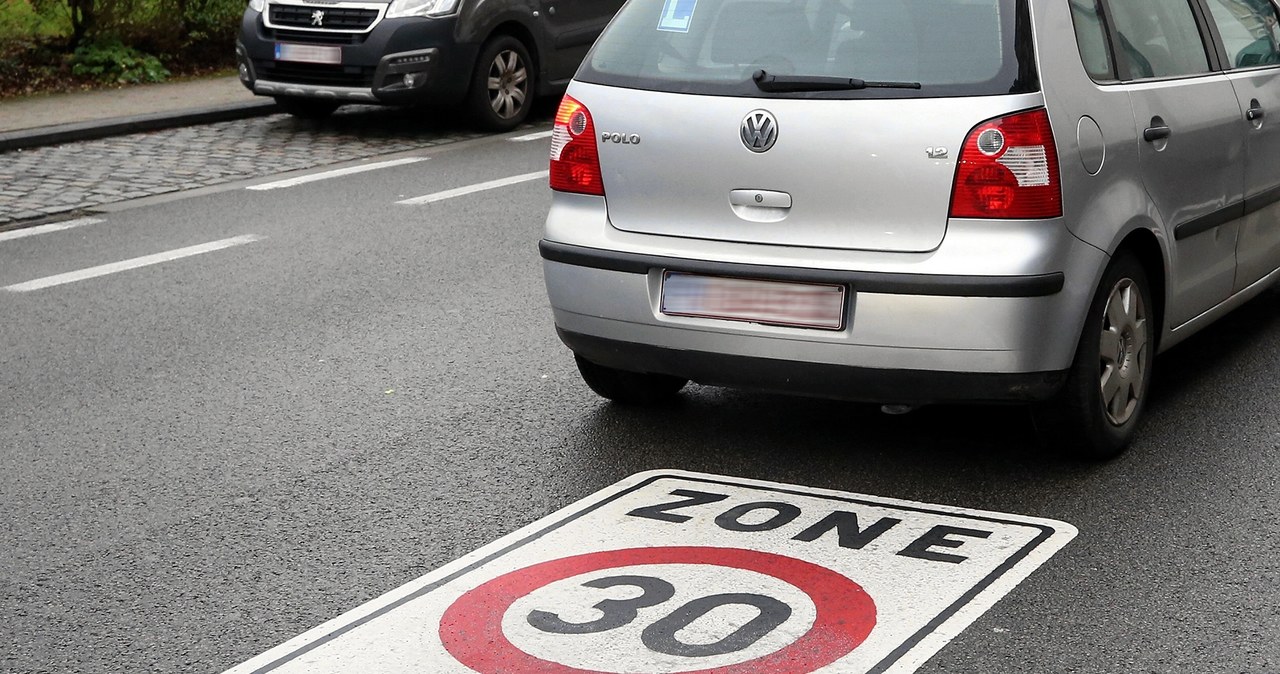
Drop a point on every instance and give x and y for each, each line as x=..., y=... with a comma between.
x=759, y=130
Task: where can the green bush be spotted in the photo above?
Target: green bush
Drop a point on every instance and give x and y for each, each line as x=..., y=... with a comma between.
x=212, y=17
x=58, y=45
x=113, y=62
x=21, y=20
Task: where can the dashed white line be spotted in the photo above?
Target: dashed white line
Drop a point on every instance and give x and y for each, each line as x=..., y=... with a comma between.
x=45, y=229
x=472, y=189
x=124, y=265
x=532, y=136
x=336, y=173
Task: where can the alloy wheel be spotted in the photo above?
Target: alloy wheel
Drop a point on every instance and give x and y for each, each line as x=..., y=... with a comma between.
x=1124, y=352
x=508, y=84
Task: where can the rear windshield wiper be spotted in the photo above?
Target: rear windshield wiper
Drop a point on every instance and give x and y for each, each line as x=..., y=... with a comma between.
x=795, y=83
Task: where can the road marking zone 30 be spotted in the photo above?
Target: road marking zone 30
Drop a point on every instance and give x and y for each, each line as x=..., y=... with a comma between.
x=672, y=572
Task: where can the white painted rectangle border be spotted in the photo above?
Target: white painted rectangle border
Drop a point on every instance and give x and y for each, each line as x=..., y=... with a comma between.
x=1055, y=536
x=335, y=173
x=134, y=263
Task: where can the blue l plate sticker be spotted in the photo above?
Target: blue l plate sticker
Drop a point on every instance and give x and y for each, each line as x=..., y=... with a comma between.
x=676, y=15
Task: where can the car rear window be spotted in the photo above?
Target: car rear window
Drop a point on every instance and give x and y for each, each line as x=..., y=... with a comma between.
x=950, y=47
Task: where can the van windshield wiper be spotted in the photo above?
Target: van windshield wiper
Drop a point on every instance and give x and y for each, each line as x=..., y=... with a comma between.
x=795, y=83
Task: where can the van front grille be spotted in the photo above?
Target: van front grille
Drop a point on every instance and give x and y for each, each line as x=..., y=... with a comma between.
x=331, y=18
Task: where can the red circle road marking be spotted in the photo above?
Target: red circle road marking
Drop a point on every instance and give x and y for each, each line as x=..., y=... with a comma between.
x=471, y=628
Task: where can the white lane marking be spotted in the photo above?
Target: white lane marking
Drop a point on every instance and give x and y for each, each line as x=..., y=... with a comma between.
x=532, y=136
x=45, y=229
x=472, y=189
x=336, y=173
x=125, y=265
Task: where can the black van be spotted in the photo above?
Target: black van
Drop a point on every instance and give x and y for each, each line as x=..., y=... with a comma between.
x=491, y=56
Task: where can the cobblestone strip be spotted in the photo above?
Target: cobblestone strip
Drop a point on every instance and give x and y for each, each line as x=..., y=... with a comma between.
x=41, y=182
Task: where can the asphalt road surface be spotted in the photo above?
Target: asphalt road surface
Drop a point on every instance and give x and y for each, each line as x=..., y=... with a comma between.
x=300, y=398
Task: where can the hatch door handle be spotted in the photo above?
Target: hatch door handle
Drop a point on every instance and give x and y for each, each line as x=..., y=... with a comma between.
x=1154, y=133
x=760, y=198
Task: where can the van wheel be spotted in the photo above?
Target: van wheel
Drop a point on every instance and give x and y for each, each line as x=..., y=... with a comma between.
x=502, y=87
x=1101, y=403
x=306, y=108
x=628, y=388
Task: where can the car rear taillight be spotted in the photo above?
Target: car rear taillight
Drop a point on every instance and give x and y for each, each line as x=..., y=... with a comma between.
x=575, y=163
x=1008, y=169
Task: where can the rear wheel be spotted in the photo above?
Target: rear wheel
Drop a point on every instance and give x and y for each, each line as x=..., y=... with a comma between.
x=1099, y=407
x=502, y=87
x=629, y=388
x=306, y=108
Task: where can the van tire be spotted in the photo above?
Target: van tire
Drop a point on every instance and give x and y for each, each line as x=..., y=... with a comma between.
x=502, y=86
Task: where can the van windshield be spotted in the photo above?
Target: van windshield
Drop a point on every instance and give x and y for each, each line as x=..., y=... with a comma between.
x=949, y=47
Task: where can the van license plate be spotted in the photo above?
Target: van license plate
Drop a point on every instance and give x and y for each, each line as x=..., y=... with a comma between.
x=308, y=53
x=802, y=305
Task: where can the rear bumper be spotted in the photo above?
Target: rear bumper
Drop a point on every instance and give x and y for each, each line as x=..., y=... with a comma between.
x=952, y=285
x=373, y=64
x=844, y=382
x=994, y=314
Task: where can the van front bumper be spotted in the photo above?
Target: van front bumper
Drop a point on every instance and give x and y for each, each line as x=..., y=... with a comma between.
x=373, y=66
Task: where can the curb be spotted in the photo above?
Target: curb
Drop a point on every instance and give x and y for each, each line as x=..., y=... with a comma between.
x=115, y=126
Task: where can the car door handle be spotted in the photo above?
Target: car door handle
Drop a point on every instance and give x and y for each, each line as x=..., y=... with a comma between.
x=1154, y=133
x=1254, y=114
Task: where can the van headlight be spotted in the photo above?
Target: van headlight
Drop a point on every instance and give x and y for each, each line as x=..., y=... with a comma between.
x=401, y=8
x=258, y=5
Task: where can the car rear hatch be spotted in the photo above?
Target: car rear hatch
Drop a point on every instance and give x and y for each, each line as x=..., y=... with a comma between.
x=823, y=124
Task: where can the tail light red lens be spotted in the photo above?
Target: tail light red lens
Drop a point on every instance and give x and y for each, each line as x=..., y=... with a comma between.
x=575, y=162
x=1008, y=170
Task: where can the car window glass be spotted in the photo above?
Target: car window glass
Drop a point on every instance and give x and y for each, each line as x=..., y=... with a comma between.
x=1159, y=38
x=1249, y=31
x=1091, y=39
x=703, y=44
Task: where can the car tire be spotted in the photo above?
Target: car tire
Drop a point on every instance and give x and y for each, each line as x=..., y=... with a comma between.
x=503, y=85
x=306, y=108
x=1095, y=414
x=629, y=388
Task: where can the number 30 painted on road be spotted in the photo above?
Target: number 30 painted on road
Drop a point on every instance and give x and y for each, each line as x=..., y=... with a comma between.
x=471, y=628
x=661, y=635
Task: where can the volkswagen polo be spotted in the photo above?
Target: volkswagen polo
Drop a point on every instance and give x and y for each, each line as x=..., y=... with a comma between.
x=915, y=201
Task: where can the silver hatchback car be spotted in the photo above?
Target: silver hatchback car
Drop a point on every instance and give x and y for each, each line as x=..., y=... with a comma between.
x=915, y=201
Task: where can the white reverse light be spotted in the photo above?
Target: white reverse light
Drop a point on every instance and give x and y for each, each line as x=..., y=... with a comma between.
x=991, y=142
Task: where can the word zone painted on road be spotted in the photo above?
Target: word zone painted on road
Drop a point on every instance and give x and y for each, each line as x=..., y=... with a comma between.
x=672, y=572
x=844, y=523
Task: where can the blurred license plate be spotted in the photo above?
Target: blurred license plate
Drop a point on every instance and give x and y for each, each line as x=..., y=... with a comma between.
x=308, y=53
x=803, y=305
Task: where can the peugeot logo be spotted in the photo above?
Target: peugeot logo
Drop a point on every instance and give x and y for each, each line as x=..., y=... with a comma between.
x=317, y=17
x=759, y=130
